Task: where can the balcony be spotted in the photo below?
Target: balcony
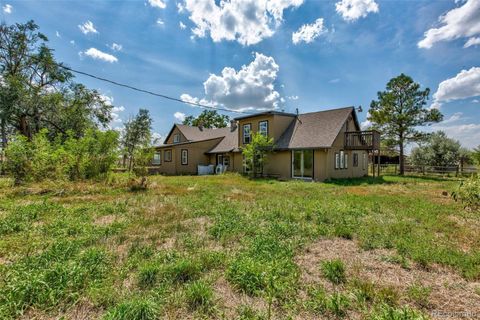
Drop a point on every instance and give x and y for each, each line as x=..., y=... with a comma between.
x=362, y=140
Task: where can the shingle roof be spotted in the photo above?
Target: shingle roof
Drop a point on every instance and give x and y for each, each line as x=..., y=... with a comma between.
x=228, y=144
x=314, y=130
x=197, y=134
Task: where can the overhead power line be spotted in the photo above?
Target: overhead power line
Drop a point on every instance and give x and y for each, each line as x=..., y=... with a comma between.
x=164, y=96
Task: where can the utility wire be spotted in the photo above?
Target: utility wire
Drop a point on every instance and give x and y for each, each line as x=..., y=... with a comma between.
x=149, y=92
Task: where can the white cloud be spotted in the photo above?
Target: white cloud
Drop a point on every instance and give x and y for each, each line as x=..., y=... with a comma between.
x=453, y=118
x=351, y=10
x=336, y=80
x=292, y=97
x=157, y=138
x=58, y=34
x=180, y=116
x=87, y=27
x=100, y=55
x=7, y=8
x=250, y=88
x=472, y=42
x=157, y=4
x=182, y=25
x=476, y=101
x=464, y=85
x=245, y=21
x=457, y=23
x=309, y=32
x=160, y=22
x=467, y=133
x=115, y=46
x=72, y=42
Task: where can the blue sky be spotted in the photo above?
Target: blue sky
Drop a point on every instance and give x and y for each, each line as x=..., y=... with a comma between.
x=310, y=55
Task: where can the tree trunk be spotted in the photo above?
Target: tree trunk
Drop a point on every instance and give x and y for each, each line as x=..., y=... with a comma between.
x=23, y=126
x=4, y=144
x=400, y=160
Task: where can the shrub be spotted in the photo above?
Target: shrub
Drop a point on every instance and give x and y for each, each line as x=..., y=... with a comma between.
x=199, y=295
x=468, y=193
x=334, y=271
x=136, y=309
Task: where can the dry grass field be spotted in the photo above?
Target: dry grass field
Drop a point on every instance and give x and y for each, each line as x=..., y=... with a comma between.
x=226, y=247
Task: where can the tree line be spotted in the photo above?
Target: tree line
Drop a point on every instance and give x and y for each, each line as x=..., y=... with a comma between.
x=52, y=126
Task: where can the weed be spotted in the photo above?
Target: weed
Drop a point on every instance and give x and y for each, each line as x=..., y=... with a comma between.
x=147, y=275
x=199, y=295
x=334, y=271
x=135, y=309
x=182, y=270
x=248, y=313
x=419, y=294
x=386, y=312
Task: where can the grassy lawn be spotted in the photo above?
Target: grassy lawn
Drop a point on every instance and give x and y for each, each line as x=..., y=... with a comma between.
x=228, y=247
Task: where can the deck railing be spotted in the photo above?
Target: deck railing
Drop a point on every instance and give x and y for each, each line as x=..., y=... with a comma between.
x=362, y=140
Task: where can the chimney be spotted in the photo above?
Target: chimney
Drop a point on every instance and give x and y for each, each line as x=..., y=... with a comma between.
x=296, y=111
x=233, y=125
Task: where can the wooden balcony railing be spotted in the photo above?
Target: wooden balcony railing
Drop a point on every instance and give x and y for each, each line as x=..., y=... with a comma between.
x=362, y=140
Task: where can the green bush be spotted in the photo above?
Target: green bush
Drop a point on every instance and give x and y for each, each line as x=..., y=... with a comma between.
x=468, y=193
x=135, y=309
x=199, y=294
x=183, y=270
x=334, y=271
x=147, y=275
x=90, y=156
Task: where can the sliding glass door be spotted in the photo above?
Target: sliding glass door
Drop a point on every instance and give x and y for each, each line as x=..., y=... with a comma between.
x=302, y=163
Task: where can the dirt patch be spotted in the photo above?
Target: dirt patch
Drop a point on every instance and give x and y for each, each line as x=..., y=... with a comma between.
x=449, y=291
x=230, y=300
x=83, y=310
x=105, y=220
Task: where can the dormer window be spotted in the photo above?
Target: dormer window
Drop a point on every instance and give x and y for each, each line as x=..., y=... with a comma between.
x=263, y=128
x=176, y=138
x=247, y=133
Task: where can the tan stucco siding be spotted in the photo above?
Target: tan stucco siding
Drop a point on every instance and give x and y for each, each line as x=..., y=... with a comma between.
x=277, y=125
x=320, y=171
x=196, y=156
x=278, y=164
x=174, y=132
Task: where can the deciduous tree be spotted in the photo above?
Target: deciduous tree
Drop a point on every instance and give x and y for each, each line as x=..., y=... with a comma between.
x=208, y=119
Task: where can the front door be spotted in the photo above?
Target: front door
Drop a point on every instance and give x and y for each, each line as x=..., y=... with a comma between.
x=302, y=164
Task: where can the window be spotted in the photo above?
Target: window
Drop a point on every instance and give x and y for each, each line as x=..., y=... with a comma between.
x=355, y=159
x=341, y=160
x=246, y=167
x=184, y=156
x=176, y=138
x=168, y=155
x=263, y=128
x=157, y=158
x=365, y=161
x=246, y=133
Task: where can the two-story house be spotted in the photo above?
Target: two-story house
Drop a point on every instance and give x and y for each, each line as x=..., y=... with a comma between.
x=313, y=146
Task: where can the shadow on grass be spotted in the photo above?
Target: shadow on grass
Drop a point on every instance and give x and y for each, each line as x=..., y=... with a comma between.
x=358, y=181
x=388, y=179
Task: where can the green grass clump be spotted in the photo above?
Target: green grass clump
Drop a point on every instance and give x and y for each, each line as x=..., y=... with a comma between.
x=386, y=312
x=334, y=271
x=182, y=270
x=135, y=309
x=248, y=313
x=335, y=304
x=419, y=294
x=199, y=295
x=148, y=275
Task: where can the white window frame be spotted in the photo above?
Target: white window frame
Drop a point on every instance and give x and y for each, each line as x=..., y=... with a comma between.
x=159, y=160
x=184, y=157
x=263, y=130
x=176, y=138
x=337, y=160
x=342, y=159
x=249, y=131
x=168, y=152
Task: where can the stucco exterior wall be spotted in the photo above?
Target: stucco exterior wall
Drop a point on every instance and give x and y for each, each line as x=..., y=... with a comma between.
x=174, y=132
x=196, y=156
x=277, y=124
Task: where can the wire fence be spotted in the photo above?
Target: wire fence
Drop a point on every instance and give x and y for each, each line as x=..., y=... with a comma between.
x=450, y=171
